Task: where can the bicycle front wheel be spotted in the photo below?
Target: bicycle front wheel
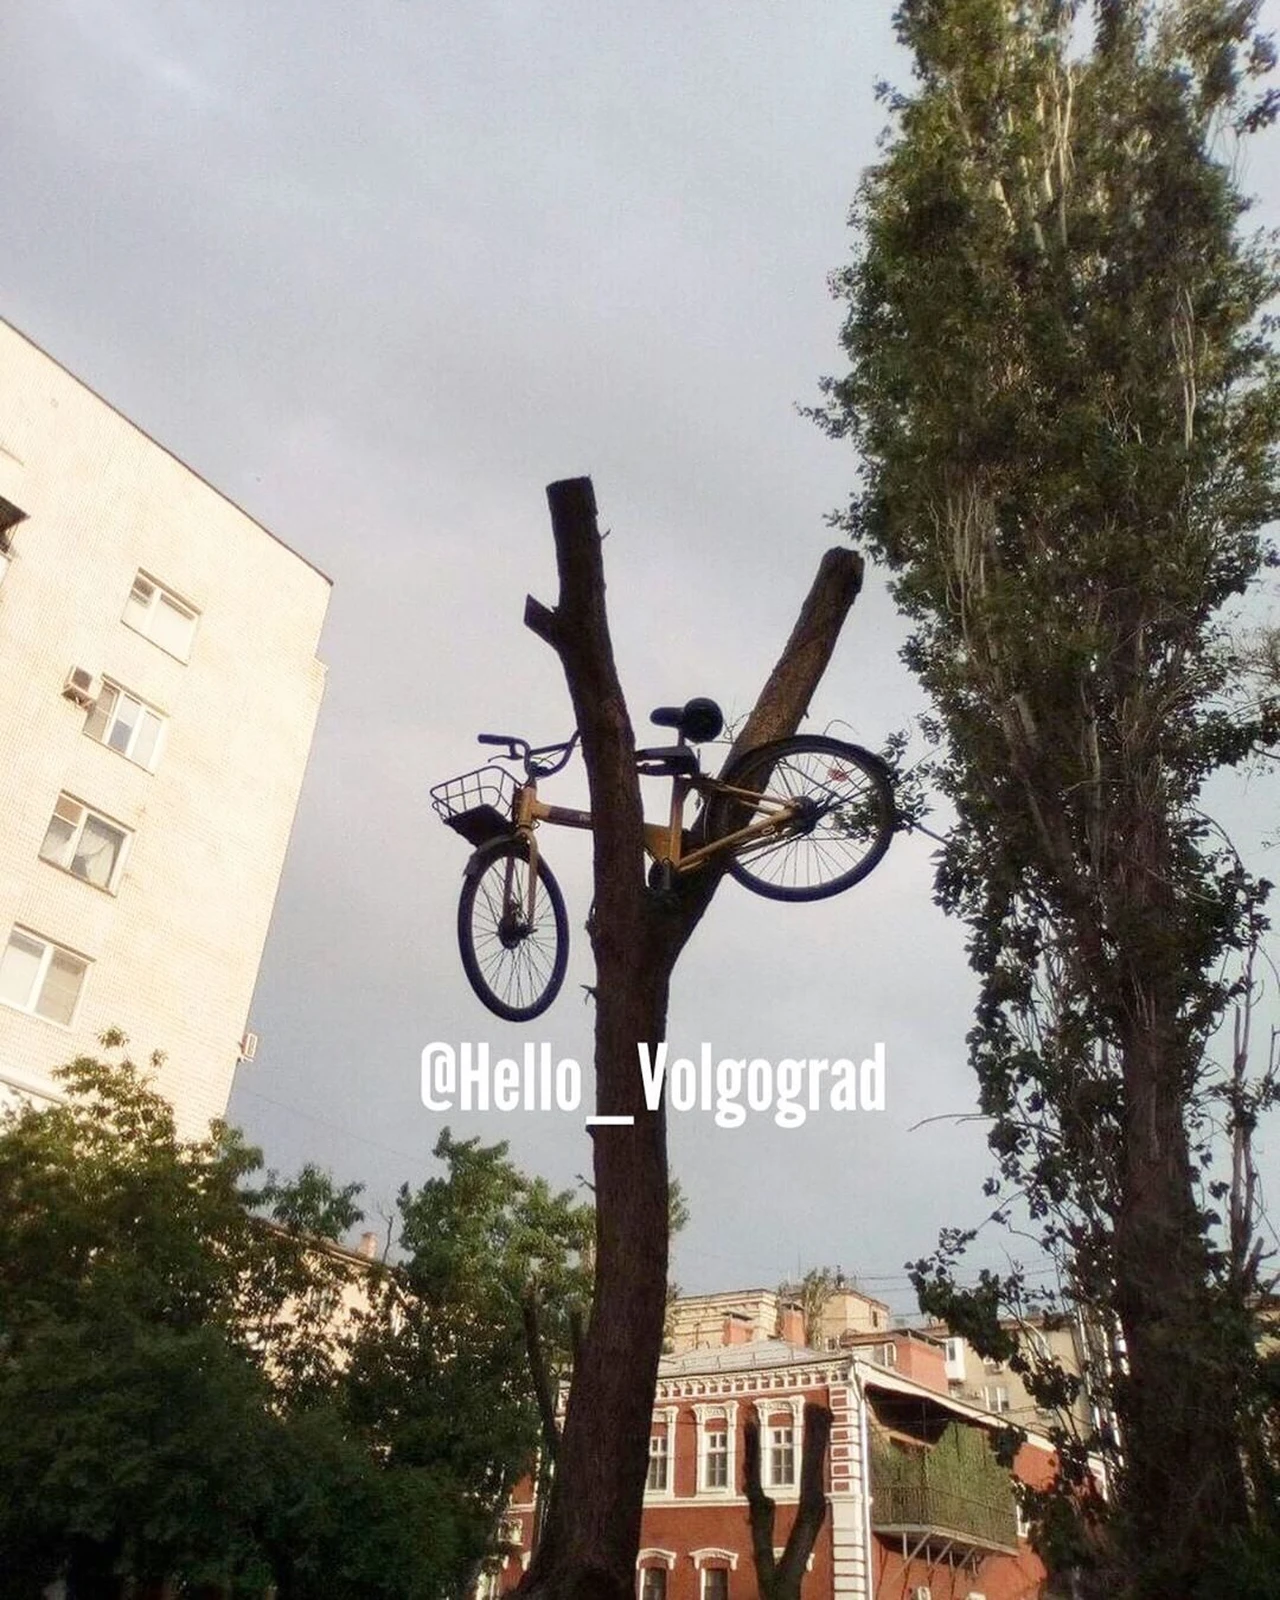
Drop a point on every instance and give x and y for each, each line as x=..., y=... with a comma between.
x=843, y=822
x=514, y=964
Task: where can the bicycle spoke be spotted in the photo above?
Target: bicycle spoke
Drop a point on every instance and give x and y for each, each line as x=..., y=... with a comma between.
x=514, y=965
x=840, y=823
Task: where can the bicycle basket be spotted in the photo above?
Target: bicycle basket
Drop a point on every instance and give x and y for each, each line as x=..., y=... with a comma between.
x=478, y=805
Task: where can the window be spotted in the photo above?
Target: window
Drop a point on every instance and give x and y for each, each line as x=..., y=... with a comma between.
x=782, y=1455
x=41, y=977
x=715, y=1583
x=995, y=1396
x=955, y=1352
x=81, y=842
x=119, y=720
x=715, y=1457
x=10, y=517
x=658, y=1462
x=653, y=1583
x=160, y=616
x=885, y=1355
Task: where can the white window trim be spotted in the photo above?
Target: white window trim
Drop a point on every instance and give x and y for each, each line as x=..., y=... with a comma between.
x=90, y=812
x=651, y=1556
x=766, y=1409
x=119, y=689
x=42, y=972
x=664, y=1422
x=728, y=1413
x=653, y=1560
x=158, y=590
x=991, y=1393
x=713, y=1552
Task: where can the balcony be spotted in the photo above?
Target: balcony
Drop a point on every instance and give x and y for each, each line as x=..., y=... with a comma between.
x=954, y=1494
x=928, y=1511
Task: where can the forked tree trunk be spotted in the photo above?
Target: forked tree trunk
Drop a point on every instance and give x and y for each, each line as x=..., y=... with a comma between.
x=592, y=1531
x=780, y=1577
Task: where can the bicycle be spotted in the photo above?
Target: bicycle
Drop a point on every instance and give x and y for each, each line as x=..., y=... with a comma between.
x=798, y=819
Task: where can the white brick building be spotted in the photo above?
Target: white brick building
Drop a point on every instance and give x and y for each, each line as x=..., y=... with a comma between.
x=158, y=693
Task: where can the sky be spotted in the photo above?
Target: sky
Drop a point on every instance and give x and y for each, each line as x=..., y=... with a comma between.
x=380, y=271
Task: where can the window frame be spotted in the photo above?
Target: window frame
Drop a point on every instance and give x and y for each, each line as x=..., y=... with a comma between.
x=71, y=846
x=704, y=1586
x=659, y=1458
x=716, y=1452
x=658, y=1570
x=662, y=1447
x=783, y=1415
x=161, y=594
x=50, y=948
x=993, y=1394
x=782, y=1447
x=110, y=686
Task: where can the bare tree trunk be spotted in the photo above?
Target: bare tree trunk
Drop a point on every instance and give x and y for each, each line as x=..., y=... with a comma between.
x=781, y=1578
x=592, y=1532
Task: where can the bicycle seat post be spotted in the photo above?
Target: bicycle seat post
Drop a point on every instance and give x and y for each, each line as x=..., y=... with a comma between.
x=675, y=818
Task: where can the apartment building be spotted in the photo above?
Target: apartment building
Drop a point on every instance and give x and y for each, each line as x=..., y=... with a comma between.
x=997, y=1386
x=159, y=690
x=707, y=1321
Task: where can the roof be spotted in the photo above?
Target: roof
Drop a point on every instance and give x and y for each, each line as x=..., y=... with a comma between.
x=873, y=1377
x=186, y=467
x=744, y=1357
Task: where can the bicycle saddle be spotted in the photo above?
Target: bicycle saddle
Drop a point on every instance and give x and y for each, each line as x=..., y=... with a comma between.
x=696, y=720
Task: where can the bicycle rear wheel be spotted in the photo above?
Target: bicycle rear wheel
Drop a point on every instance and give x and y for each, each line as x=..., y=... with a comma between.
x=515, y=966
x=842, y=828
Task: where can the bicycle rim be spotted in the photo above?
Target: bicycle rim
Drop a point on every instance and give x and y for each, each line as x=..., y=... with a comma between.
x=515, y=967
x=846, y=827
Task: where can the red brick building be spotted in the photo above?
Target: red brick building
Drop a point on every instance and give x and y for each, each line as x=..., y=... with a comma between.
x=919, y=1510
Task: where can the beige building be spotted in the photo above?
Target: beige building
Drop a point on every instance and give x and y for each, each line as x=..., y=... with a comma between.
x=159, y=689
x=997, y=1387
x=707, y=1321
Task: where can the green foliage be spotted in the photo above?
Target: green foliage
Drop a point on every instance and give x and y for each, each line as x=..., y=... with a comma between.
x=1066, y=400
x=195, y=1385
x=811, y=1294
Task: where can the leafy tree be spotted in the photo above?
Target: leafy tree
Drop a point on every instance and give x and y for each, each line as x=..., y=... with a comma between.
x=811, y=1294
x=188, y=1393
x=133, y=1415
x=1067, y=404
x=469, y=1337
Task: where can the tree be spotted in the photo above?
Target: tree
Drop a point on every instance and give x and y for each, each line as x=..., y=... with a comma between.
x=470, y=1336
x=1067, y=408
x=780, y=1577
x=190, y=1393
x=592, y=1530
x=811, y=1294
x=129, y=1409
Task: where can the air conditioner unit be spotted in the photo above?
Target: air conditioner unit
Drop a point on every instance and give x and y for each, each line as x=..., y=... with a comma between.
x=80, y=687
x=922, y=1591
x=248, y=1047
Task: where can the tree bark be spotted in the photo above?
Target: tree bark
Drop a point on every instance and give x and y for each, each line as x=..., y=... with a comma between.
x=592, y=1532
x=781, y=1578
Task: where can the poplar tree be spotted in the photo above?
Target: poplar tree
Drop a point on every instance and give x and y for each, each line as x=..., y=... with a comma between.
x=1066, y=402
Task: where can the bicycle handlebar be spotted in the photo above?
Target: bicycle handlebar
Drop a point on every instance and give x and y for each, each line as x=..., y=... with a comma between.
x=521, y=750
